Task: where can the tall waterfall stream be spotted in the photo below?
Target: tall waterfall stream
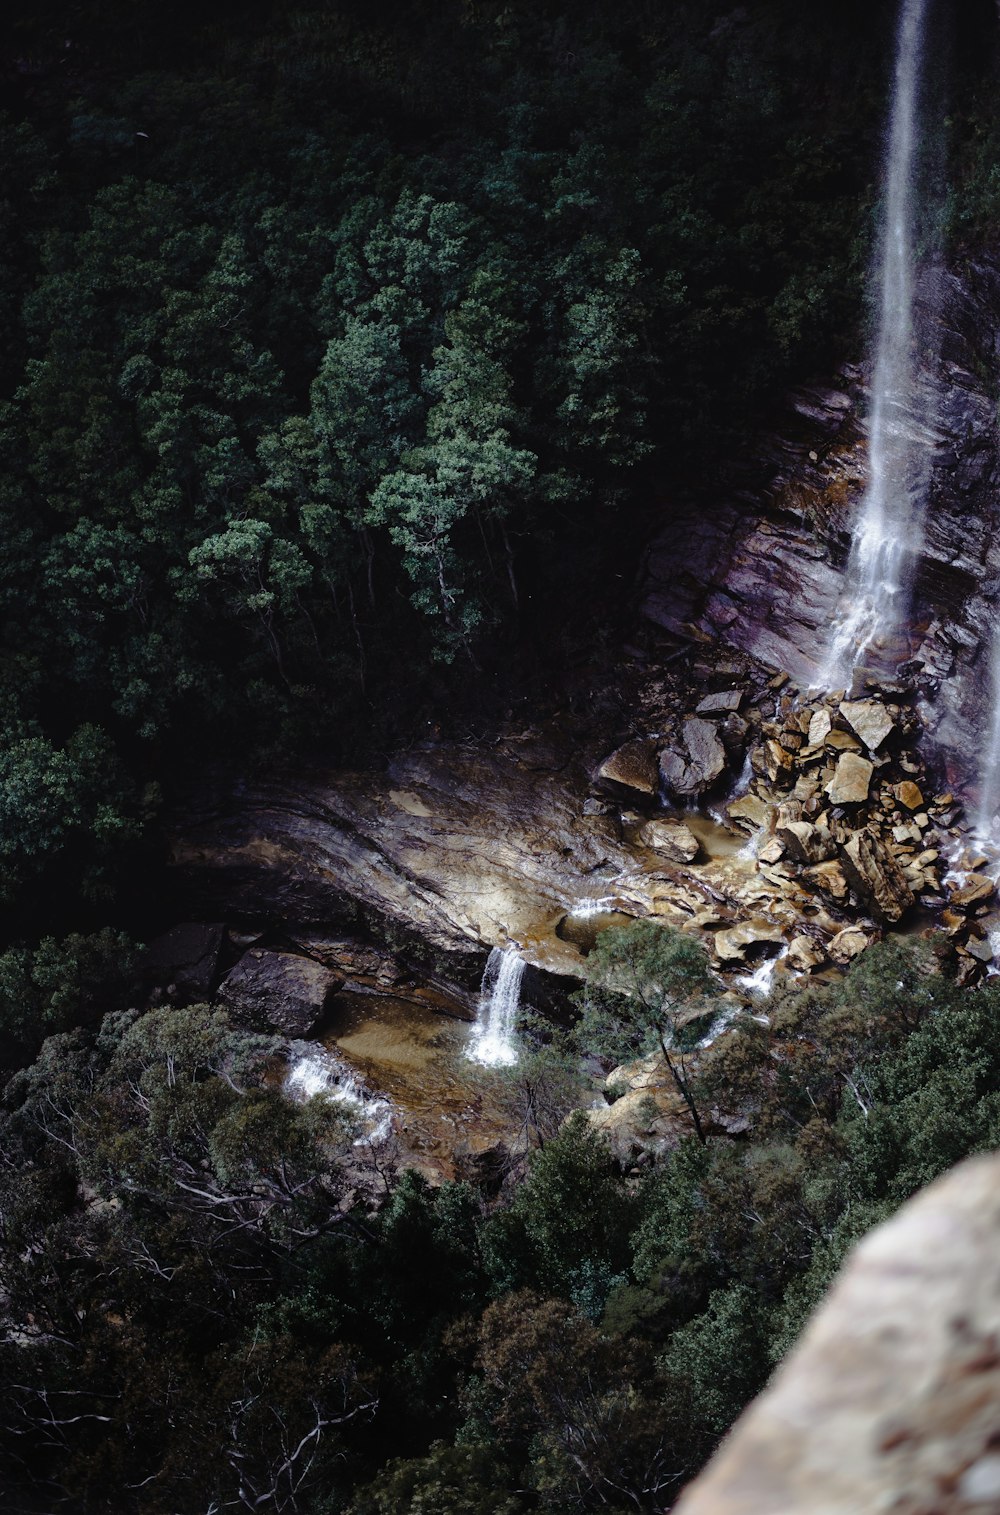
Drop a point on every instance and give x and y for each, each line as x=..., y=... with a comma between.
x=888, y=532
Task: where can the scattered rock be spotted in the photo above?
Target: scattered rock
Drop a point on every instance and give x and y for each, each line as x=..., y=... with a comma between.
x=908, y=794
x=874, y=874
x=721, y=703
x=278, y=991
x=847, y=944
x=829, y=879
x=706, y=751
x=976, y=890
x=731, y=944
x=851, y=782
x=749, y=812
x=869, y=719
x=804, y=955
x=820, y=726
x=806, y=843
x=633, y=766
x=671, y=837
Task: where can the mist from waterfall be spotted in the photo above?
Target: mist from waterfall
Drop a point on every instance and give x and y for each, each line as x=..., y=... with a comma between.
x=888, y=532
x=989, y=766
x=493, y=1040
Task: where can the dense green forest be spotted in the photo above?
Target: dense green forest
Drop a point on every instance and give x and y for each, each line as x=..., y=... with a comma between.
x=347, y=352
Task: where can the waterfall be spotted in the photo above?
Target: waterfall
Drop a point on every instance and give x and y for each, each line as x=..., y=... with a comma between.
x=888, y=532
x=499, y=998
x=989, y=778
x=312, y=1072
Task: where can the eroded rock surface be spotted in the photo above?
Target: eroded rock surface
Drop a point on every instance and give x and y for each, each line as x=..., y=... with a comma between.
x=764, y=570
x=891, y=1399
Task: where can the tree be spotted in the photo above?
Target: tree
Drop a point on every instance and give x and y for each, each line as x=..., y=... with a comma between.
x=645, y=984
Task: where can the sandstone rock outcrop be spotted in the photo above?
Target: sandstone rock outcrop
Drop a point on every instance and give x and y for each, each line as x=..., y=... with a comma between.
x=891, y=1399
x=278, y=991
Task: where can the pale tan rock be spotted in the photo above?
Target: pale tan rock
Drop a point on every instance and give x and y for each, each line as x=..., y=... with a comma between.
x=875, y=876
x=671, y=837
x=772, y=851
x=847, y=944
x=633, y=765
x=820, y=726
x=806, y=843
x=843, y=741
x=749, y=812
x=977, y=888
x=870, y=720
x=829, y=879
x=731, y=944
x=889, y=1402
x=804, y=955
x=908, y=794
x=850, y=783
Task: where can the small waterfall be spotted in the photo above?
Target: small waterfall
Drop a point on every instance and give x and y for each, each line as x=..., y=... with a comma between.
x=493, y=1040
x=888, y=532
x=760, y=981
x=313, y=1071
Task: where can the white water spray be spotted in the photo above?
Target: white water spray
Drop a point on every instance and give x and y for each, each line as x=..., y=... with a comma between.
x=989, y=785
x=888, y=532
x=760, y=981
x=493, y=1040
x=313, y=1071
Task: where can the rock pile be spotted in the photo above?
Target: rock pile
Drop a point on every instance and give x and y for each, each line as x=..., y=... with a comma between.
x=847, y=835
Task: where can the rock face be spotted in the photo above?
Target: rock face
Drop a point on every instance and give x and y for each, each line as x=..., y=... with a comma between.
x=890, y=1399
x=187, y=957
x=764, y=571
x=278, y=991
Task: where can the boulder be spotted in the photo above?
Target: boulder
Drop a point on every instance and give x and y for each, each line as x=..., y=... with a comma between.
x=908, y=794
x=279, y=991
x=870, y=720
x=186, y=956
x=731, y=943
x=875, y=876
x=843, y=741
x=976, y=890
x=851, y=781
x=829, y=879
x=708, y=756
x=671, y=837
x=633, y=766
x=820, y=726
x=806, y=843
x=721, y=703
x=691, y=767
x=804, y=955
x=749, y=812
x=847, y=944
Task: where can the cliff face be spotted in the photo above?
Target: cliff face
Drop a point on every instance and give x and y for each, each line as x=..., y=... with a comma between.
x=764, y=569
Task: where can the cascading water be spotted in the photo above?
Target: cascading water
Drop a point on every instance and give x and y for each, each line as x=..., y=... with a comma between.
x=312, y=1071
x=493, y=1040
x=989, y=782
x=888, y=532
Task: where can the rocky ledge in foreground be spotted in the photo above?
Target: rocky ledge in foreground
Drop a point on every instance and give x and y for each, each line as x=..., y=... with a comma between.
x=890, y=1400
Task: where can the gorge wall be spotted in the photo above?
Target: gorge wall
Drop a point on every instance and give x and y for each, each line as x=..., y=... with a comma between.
x=764, y=569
